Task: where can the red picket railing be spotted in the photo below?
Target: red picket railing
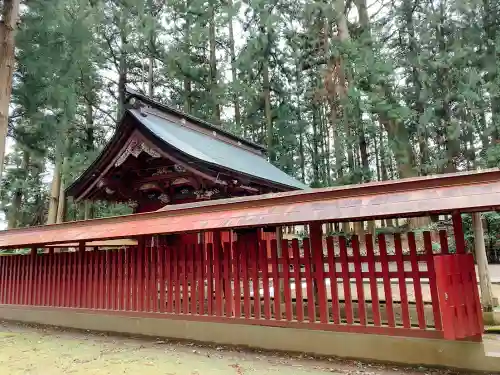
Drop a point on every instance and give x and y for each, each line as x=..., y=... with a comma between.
x=344, y=285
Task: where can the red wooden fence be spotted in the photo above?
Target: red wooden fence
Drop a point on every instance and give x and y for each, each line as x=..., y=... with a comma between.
x=348, y=286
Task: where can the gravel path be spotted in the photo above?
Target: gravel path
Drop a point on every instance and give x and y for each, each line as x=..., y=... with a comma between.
x=38, y=350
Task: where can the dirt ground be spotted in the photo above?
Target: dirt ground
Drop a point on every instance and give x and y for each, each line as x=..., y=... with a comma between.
x=30, y=350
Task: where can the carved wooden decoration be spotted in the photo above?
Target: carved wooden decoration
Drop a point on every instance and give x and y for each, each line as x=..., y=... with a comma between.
x=135, y=148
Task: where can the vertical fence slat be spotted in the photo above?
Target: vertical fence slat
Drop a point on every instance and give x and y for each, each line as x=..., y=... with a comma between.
x=359, y=280
x=94, y=271
x=286, y=281
x=311, y=311
x=102, y=278
x=264, y=266
x=177, y=278
x=2, y=279
x=386, y=280
x=119, y=288
x=373, y=280
x=162, y=262
x=127, y=302
x=169, y=255
x=154, y=278
x=237, y=276
x=417, y=287
x=32, y=260
x=246, y=286
x=210, y=279
x=53, y=278
x=10, y=288
x=74, y=286
x=107, y=287
x=22, y=276
x=185, y=286
x=332, y=275
x=298, y=280
x=346, y=280
x=255, y=279
x=218, y=278
x=201, y=278
x=17, y=279
x=436, y=310
x=48, y=278
x=316, y=242
x=443, y=241
x=228, y=294
x=147, y=278
x=405, y=311
x=133, y=277
x=192, y=279
x=114, y=278
x=276, y=280
x=64, y=278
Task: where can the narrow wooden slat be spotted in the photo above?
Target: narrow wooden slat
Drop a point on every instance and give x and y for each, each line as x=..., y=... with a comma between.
x=133, y=279
x=177, y=277
x=162, y=262
x=319, y=274
x=185, y=288
x=443, y=241
x=359, y=281
x=373, y=280
x=92, y=272
x=146, y=277
x=2, y=280
x=332, y=275
x=210, y=279
x=311, y=310
x=276, y=280
x=48, y=284
x=127, y=293
x=255, y=278
x=192, y=279
x=64, y=278
x=218, y=278
x=228, y=294
x=22, y=277
x=171, y=277
x=155, y=295
x=286, y=281
x=237, y=278
x=115, y=278
x=264, y=266
x=10, y=287
x=345, y=279
x=201, y=278
x=102, y=278
x=417, y=286
x=244, y=278
x=15, y=287
x=108, y=300
x=120, y=292
x=403, y=292
x=299, y=306
x=386, y=280
x=458, y=233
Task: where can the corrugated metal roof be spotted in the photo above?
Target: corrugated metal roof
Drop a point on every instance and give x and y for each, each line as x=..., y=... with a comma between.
x=209, y=149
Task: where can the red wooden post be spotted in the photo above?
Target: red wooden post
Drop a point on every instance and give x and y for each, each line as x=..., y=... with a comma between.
x=127, y=293
x=170, y=276
x=146, y=278
x=332, y=275
x=74, y=284
x=134, y=278
x=218, y=278
x=359, y=280
x=64, y=277
x=276, y=280
x=346, y=279
x=177, y=277
x=120, y=293
x=17, y=278
x=264, y=266
x=2, y=280
x=255, y=278
x=297, y=275
x=50, y=284
x=185, y=286
x=373, y=280
x=246, y=286
x=114, y=278
x=316, y=234
x=210, y=279
x=228, y=279
x=458, y=232
x=311, y=310
x=238, y=248
x=162, y=261
x=192, y=278
x=79, y=292
x=107, y=287
x=417, y=287
x=102, y=279
x=386, y=280
x=405, y=312
x=140, y=277
x=432, y=281
x=201, y=278
x=443, y=241
x=286, y=281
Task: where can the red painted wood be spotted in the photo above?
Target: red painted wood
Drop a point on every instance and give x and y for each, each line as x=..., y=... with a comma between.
x=21, y=280
x=177, y=277
x=162, y=260
x=17, y=279
x=386, y=280
x=443, y=240
x=192, y=279
x=316, y=241
x=127, y=293
x=332, y=275
x=244, y=277
x=185, y=286
x=311, y=310
x=46, y=279
x=276, y=279
x=228, y=294
x=473, y=296
x=237, y=277
x=455, y=294
x=154, y=279
x=102, y=279
x=2, y=280
x=115, y=278
x=169, y=255
x=345, y=279
x=64, y=279
x=432, y=281
x=359, y=280
x=210, y=279
x=443, y=271
x=133, y=280
x=200, y=264
x=7, y=276
x=219, y=292
x=417, y=287
x=12, y=278
x=120, y=292
x=287, y=293
x=146, y=276
x=108, y=281
x=373, y=280
x=264, y=266
x=299, y=306
x=254, y=264
x=405, y=311
x=458, y=232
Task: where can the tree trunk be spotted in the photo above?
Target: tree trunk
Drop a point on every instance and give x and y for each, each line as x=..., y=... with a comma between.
x=122, y=69
x=61, y=206
x=234, y=76
x=54, y=193
x=267, y=109
x=15, y=210
x=213, y=64
x=8, y=25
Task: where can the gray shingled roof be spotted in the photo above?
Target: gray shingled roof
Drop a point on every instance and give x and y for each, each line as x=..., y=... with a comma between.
x=214, y=151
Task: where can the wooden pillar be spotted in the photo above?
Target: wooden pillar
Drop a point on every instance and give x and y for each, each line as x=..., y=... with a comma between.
x=458, y=232
x=279, y=239
x=482, y=263
x=316, y=238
